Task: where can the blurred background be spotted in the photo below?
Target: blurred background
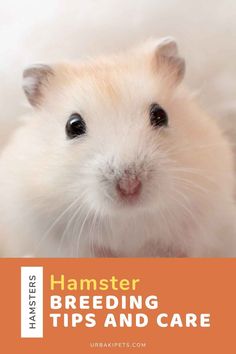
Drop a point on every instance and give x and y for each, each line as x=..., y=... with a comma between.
x=49, y=30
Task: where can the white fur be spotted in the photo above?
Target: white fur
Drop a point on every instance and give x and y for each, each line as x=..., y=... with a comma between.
x=58, y=197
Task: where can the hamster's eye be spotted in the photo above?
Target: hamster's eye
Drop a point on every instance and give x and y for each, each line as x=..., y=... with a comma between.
x=158, y=117
x=75, y=126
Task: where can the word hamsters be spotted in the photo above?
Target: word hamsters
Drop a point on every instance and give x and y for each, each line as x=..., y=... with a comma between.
x=116, y=159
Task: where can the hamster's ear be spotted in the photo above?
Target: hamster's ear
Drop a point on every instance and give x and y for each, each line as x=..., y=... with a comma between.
x=35, y=78
x=168, y=60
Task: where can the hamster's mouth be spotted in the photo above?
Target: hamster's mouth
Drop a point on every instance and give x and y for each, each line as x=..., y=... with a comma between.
x=129, y=201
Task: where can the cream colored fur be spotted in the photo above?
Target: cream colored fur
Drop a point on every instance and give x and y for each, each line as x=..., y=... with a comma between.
x=58, y=196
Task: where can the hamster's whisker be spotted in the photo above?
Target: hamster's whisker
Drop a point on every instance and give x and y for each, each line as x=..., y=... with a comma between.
x=190, y=183
x=79, y=218
x=81, y=230
x=183, y=195
x=188, y=210
x=56, y=221
x=91, y=234
x=101, y=235
x=108, y=196
x=194, y=172
x=68, y=224
x=109, y=228
x=73, y=232
x=167, y=215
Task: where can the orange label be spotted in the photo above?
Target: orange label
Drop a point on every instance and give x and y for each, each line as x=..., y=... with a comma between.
x=118, y=306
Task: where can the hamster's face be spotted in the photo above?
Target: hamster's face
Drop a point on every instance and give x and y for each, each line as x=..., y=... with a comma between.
x=115, y=134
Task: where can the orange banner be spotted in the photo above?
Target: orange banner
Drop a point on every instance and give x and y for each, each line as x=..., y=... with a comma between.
x=118, y=306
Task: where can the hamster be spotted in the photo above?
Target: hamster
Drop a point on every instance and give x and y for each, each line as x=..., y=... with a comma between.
x=116, y=159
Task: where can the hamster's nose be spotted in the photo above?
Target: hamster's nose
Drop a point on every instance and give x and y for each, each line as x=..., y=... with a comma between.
x=129, y=186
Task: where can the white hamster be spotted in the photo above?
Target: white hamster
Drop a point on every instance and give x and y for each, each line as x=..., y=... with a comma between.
x=116, y=159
